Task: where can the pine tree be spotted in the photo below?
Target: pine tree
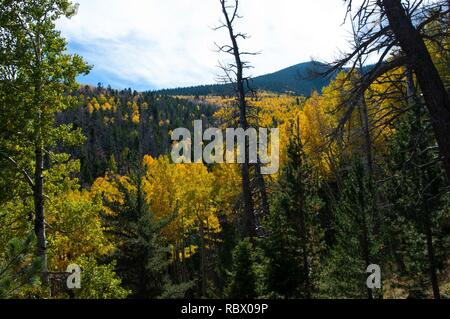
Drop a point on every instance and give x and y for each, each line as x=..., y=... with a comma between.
x=357, y=245
x=18, y=267
x=295, y=238
x=143, y=256
x=243, y=281
x=416, y=191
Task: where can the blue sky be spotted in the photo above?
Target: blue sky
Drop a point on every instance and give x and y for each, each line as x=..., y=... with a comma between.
x=151, y=44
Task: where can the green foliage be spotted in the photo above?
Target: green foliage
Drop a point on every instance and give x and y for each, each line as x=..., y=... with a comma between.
x=357, y=244
x=175, y=291
x=37, y=76
x=99, y=281
x=179, y=238
x=295, y=79
x=121, y=126
x=243, y=279
x=44, y=73
x=419, y=203
x=295, y=239
x=142, y=255
x=19, y=269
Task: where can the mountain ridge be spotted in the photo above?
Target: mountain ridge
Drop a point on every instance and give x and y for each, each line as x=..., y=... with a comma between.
x=300, y=79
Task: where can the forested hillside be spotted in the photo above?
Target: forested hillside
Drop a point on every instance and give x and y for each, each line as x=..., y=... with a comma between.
x=87, y=179
x=120, y=127
x=301, y=79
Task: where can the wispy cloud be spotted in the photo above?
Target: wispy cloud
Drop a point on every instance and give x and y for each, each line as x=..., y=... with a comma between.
x=149, y=44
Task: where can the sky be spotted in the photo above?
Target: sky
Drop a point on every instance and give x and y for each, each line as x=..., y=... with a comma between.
x=154, y=44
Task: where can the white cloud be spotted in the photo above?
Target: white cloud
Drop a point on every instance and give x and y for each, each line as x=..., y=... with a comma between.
x=167, y=43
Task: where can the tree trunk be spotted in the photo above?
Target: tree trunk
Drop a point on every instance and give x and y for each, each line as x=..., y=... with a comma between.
x=415, y=103
x=249, y=216
x=301, y=222
x=262, y=189
x=365, y=123
x=432, y=262
x=202, y=255
x=433, y=89
x=364, y=239
x=39, y=222
x=366, y=254
x=305, y=253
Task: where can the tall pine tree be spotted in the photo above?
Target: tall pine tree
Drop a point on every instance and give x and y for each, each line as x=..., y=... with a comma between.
x=295, y=238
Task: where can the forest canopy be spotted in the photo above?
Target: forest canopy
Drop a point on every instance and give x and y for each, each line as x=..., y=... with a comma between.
x=86, y=176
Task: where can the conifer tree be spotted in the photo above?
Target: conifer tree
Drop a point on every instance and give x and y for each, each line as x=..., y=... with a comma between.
x=18, y=267
x=243, y=281
x=295, y=238
x=143, y=258
x=357, y=245
x=418, y=200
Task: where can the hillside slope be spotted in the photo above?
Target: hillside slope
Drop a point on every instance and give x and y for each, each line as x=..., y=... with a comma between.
x=299, y=79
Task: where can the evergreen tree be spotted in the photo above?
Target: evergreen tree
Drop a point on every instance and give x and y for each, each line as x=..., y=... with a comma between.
x=418, y=202
x=18, y=267
x=243, y=281
x=295, y=238
x=357, y=245
x=143, y=258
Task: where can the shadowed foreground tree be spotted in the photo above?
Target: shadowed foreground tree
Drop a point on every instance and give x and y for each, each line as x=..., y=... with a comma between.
x=20, y=267
x=416, y=191
x=398, y=31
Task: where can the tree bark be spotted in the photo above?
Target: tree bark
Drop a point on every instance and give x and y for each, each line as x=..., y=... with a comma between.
x=262, y=189
x=249, y=214
x=203, y=257
x=365, y=123
x=364, y=238
x=415, y=103
x=39, y=223
x=305, y=252
x=432, y=258
x=431, y=84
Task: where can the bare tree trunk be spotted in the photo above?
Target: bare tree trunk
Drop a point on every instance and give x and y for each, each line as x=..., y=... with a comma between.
x=203, y=257
x=366, y=253
x=364, y=239
x=433, y=89
x=431, y=257
x=249, y=217
x=415, y=103
x=364, y=112
x=249, y=214
x=302, y=227
x=366, y=132
x=39, y=222
x=262, y=189
x=305, y=252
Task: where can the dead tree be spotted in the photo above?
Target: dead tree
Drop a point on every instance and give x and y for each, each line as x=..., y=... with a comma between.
x=397, y=31
x=363, y=109
x=433, y=89
x=234, y=73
